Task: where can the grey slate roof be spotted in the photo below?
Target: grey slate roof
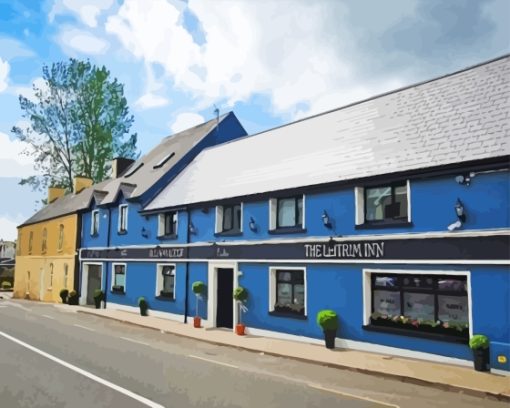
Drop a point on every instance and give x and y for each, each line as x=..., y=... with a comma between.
x=133, y=185
x=456, y=118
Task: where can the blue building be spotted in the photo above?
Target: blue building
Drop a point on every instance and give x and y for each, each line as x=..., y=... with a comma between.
x=112, y=220
x=393, y=211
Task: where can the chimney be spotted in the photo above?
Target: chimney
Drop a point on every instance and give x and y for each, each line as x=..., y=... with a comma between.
x=80, y=183
x=54, y=193
x=119, y=166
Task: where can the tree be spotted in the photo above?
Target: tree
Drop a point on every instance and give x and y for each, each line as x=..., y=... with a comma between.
x=78, y=121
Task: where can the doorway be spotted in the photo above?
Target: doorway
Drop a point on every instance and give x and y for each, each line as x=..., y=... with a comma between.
x=224, y=301
x=94, y=278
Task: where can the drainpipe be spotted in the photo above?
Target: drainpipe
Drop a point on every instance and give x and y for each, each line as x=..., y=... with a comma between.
x=186, y=307
x=106, y=274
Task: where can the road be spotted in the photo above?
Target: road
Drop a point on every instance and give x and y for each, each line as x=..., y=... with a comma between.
x=53, y=357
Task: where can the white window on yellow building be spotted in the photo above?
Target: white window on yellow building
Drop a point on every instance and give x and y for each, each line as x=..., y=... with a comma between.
x=61, y=237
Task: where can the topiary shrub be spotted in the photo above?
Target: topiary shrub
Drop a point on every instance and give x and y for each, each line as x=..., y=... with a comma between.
x=98, y=294
x=240, y=294
x=73, y=298
x=198, y=287
x=327, y=319
x=6, y=285
x=64, y=293
x=479, y=341
x=143, y=305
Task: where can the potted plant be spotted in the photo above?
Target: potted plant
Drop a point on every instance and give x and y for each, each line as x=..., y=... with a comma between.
x=480, y=346
x=198, y=288
x=143, y=305
x=73, y=298
x=240, y=295
x=98, y=296
x=328, y=321
x=64, y=293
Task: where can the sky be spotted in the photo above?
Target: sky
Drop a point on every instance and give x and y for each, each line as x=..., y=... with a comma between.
x=270, y=61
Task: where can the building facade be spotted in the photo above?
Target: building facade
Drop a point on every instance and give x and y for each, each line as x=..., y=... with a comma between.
x=394, y=212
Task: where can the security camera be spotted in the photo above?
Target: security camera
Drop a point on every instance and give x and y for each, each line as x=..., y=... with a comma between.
x=460, y=179
x=456, y=225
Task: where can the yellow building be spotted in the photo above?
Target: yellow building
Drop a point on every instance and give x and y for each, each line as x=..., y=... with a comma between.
x=46, y=253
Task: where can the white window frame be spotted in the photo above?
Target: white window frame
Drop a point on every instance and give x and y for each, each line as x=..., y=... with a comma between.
x=272, y=284
x=161, y=223
x=218, y=226
x=119, y=222
x=66, y=275
x=359, y=203
x=367, y=288
x=159, y=278
x=93, y=230
x=273, y=211
x=51, y=269
x=112, y=280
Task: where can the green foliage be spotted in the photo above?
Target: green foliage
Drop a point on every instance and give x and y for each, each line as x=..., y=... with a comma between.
x=327, y=319
x=6, y=285
x=142, y=303
x=64, y=293
x=78, y=122
x=198, y=287
x=98, y=294
x=240, y=294
x=73, y=298
x=478, y=341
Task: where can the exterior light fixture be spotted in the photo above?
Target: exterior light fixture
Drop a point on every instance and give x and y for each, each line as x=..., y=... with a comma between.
x=461, y=215
x=192, y=228
x=465, y=179
x=252, y=225
x=325, y=219
x=145, y=232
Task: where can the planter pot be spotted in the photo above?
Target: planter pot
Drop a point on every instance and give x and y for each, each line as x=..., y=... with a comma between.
x=143, y=311
x=329, y=336
x=481, y=359
x=196, y=322
x=240, y=329
x=97, y=302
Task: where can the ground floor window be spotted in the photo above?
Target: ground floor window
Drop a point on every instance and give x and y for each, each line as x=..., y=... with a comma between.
x=165, y=281
x=420, y=303
x=288, y=291
x=119, y=278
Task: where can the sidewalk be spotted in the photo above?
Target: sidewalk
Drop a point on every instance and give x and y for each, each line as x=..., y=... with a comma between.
x=421, y=372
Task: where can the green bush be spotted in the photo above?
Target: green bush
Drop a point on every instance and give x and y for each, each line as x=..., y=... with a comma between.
x=479, y=341
x=327, y=319
x=73, y=298
x=64, y=293
x=98, y=294
x=142, y=302
x=198, y=287
x=6, y=285
x=240, y=294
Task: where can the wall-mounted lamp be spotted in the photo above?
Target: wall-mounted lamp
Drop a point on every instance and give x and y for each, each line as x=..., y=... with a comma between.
x=252, y=225
x=461, y=215
x=192, y=229
x=465, y=179
x=145, y=232
x=205, y=210
x=325, y=219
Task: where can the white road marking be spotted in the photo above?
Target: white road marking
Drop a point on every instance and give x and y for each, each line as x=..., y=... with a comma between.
x=78, y=370
x=83, y=327
x=18, y=306
x=135, y=341
x=48, y=317
x=346, y=394
x=212, y=361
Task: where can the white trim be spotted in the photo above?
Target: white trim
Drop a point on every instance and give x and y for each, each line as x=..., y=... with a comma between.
x=359, y=205
x=408, y=184
x=92, y=222
x=85, y=280
x=322, y=261
x=272, y=213
x=272, y=283
x=151, y=312
x=303, y=211
x=218, y=219
x=112, y=280
x=500, y=372
x=413, y=235
x=367, y=298
x=242, y=218
x=364, y=346
x=119, y=225
x=159, y=277
x=212, y=286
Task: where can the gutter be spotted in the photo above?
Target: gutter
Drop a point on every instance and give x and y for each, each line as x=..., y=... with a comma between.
x=108, y=246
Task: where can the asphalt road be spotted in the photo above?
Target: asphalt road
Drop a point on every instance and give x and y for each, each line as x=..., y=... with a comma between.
x=51, y=357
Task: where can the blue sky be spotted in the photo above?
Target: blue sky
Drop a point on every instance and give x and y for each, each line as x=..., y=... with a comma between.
x=270, y=61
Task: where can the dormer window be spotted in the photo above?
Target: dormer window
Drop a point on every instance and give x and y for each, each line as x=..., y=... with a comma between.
x=94, y=223
x=123, y=220
x=167, y=224
x=229, y=219
x=164, y=160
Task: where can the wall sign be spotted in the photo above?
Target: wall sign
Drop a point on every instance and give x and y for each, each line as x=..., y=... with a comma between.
x=450, y=248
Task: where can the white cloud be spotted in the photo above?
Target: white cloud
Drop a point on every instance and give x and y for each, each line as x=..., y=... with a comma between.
x=4, y=74
x=8, y=227
x=14, y=162
x=74, y=39
x=88, y=11
x=150, y=100
x=186, y=120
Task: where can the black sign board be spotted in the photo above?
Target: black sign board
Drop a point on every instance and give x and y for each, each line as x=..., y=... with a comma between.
x=449, y=248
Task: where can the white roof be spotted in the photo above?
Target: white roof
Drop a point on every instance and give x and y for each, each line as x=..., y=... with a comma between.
x=456, y=118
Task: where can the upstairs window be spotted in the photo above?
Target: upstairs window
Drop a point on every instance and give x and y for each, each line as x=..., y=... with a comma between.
x=167, y=224
x=119, y=278
x=30, y=241
x=383, y=205
x=51, y=275
x=165, y=283
x=229, y=219
x=286, y=214
x=44, y=240
x=94, y=224
x=123, y=214
x=66, y=275
x=60, y=244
